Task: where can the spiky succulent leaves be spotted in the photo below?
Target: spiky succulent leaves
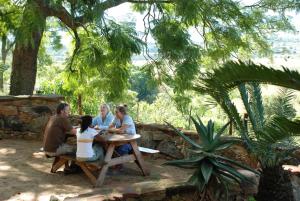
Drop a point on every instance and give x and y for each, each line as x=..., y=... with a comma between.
x=186, y=138
x=208, y=165
x=191, y=162
x=219, y=93
x=206, y=169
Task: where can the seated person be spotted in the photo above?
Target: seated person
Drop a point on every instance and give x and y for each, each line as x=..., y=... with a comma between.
x=55, y=133
x=123, y=124
x=85, y=136
x=104, y=119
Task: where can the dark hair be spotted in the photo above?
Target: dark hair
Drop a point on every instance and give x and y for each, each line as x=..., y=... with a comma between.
x=61, y=107
x=122, y=109
x=86, y=121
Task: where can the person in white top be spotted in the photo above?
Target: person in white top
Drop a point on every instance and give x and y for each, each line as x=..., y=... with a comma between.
x=123, y=124
x=85, y=136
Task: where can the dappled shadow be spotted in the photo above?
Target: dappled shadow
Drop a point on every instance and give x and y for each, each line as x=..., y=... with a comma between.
x=25, y=174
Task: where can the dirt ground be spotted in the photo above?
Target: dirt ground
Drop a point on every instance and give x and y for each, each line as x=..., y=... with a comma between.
x=25, y=175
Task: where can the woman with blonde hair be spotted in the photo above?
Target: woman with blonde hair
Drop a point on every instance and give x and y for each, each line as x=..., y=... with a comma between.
x=123, y=124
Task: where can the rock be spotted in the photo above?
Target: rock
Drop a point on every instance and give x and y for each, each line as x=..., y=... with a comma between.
x=38, y=124
x=295, y=180
x=14, y=123
x=146, y=140
x=250, y=188
x=54, y=198
x=25, y=117
x=239, y=153
x=2, y=122
x=169, y=148
x=8, y=110
x=42, y=109
x=160, y=136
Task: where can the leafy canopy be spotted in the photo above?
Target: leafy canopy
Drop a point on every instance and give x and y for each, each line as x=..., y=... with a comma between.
x=223, y=28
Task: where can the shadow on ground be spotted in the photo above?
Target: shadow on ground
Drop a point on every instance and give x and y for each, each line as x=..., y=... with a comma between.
x=25, y=175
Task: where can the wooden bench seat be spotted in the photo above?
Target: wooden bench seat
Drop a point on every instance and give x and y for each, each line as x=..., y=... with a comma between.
x=97, y=170
x=148, y=151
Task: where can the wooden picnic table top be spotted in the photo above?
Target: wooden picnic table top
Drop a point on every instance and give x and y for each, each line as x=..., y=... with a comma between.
x=120, y=137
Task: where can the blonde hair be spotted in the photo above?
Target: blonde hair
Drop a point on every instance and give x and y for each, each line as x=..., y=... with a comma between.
x=104, y=105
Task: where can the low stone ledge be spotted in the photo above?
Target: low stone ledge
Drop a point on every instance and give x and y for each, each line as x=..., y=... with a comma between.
x=32, y=97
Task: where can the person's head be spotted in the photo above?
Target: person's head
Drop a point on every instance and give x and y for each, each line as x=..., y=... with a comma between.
x=63, y=109
x=121, y=111
x=104, y=109
x=86, y=121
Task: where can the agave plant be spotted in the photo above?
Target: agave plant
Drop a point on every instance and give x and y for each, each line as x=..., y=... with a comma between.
x=211, y=169
x=268, y=137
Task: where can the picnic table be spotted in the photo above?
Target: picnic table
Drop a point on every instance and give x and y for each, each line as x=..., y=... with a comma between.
x=112, y=141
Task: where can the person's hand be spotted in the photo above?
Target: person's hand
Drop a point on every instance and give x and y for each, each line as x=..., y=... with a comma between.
x=119, y=131
x=97, y=128
x=292, y=168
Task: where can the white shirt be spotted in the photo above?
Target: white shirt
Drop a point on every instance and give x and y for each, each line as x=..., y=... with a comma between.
x=85, y=143
x=128, y=121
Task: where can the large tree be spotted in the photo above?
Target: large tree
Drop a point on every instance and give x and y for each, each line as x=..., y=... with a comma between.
x=226, y=27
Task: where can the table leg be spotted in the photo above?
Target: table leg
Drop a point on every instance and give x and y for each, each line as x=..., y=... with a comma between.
x=139, y=158
x=105, y=167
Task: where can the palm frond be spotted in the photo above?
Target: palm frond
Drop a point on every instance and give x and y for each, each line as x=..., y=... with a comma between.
x=231, y=74
x=282, y=105
x=256, y=103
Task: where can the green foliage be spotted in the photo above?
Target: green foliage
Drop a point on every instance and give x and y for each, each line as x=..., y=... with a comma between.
x=9, y=17
x=224, y=28
x=212, y=171
x=281, y=105
x=145, y=86
x=103, y=59
x=264, y=135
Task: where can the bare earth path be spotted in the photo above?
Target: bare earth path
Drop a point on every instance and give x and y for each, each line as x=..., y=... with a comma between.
x=25, y=175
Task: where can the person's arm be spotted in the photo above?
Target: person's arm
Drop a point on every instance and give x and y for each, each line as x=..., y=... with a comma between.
x=112, y=125
x=94, y=122
x=68, y=127
x=73, y=131
x=107, y=123
x=99, y=138
x=122, y=129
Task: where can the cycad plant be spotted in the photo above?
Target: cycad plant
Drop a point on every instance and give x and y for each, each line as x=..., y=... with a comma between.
x=268, y=137
x=213, y=172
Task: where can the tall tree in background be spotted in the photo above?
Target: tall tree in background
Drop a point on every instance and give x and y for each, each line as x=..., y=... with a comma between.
x=9, y=14
x=225, y=28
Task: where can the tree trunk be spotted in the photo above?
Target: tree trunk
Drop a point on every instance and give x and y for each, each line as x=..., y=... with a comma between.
x=3, y=57
x=79, y=104
x=275, y=184
x=24, y=64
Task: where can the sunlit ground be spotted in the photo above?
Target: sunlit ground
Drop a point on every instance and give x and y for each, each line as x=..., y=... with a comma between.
x=25, y=175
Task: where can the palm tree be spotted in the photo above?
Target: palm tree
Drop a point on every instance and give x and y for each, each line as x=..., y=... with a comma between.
x=263, y=136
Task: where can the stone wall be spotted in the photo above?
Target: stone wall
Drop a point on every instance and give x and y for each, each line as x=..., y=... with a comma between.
x=24, y=117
